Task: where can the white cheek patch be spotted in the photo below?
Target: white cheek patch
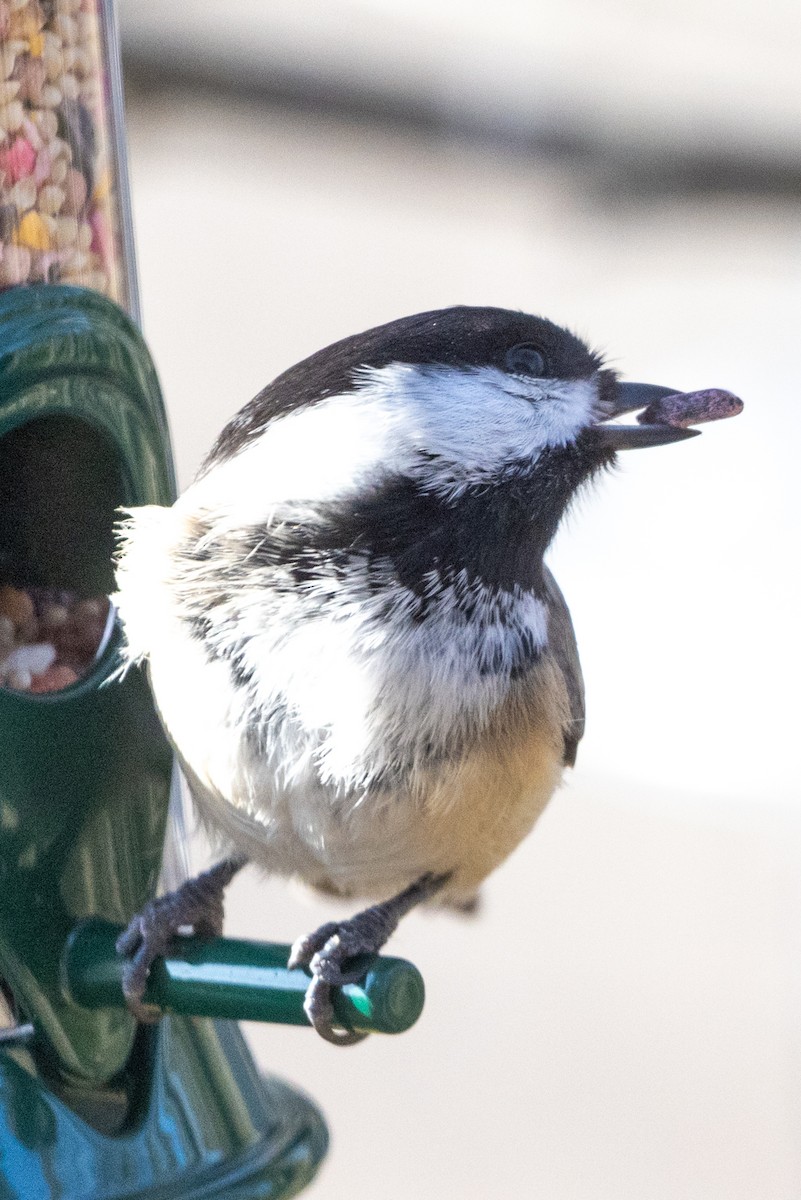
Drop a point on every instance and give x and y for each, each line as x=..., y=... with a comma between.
x=473, y=425
x=447, y=427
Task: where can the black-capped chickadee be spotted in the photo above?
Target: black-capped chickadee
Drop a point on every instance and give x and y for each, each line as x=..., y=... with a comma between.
x=367, y=671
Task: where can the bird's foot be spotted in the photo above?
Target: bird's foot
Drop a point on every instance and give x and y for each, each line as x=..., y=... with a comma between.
x=196, y=905
x=326, y=951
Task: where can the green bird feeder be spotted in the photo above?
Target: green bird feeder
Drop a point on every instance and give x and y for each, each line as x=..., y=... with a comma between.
x=91, y=1105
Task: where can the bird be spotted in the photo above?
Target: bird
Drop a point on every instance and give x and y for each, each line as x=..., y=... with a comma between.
x=367, y=670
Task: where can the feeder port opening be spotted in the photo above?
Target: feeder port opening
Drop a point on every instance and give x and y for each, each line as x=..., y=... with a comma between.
x=61, y=484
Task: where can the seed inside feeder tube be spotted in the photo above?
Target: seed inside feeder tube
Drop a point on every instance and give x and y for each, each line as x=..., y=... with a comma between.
x=56, y=146
x=50, y=638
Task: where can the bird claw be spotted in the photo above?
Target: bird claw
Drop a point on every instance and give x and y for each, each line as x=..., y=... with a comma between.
x=145, y=939
x=304, y=948
x=324, y=952
x=320, y=1011
x=197, y=904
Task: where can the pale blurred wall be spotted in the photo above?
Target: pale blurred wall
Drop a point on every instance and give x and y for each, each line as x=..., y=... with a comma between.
x=623, y=1018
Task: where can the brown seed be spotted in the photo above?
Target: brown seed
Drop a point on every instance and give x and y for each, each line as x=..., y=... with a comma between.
x=92, y=609
x=52, y=63
x=7, y=60
x=76, y=261
x=12, y=114
x=53, y=679
x=51, y=96
x=16, y=605
x=9, y=90
x=23, y=193
x=19, y=680
x=15, y=266
x=88, y=619
x=32, y=75
x=52, y=618
x=692, y=408
x=82, y=62
x=66, y=27
x=75, y=192
x=51, y=199
x=59, y=148
x=46, y=122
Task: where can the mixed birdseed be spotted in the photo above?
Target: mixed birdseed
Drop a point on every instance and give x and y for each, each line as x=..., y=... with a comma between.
x=49, y=638
x=57, y=201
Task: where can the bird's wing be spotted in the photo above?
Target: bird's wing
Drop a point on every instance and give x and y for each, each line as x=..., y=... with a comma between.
x=562, y=643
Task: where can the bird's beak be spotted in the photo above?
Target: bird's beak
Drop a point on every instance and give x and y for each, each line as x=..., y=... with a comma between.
x=629, y=397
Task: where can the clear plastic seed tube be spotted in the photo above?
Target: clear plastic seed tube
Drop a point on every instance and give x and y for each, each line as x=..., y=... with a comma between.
x=64, y=208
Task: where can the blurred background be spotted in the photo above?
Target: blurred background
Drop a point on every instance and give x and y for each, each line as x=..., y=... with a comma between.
x=623, y=1019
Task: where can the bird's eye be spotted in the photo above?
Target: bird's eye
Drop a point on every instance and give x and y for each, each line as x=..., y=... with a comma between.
x=525, y=360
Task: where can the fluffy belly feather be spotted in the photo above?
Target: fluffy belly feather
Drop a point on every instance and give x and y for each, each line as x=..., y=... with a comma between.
x=460, y=814
x=462, y=819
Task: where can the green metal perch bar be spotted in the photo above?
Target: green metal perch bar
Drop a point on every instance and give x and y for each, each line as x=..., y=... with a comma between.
x=240, y=980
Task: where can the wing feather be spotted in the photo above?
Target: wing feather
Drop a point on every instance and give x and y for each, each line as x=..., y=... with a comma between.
x=562, y=644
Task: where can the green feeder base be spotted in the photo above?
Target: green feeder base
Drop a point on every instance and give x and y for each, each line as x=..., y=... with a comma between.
x=91, y=1107
x=194, y=1121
